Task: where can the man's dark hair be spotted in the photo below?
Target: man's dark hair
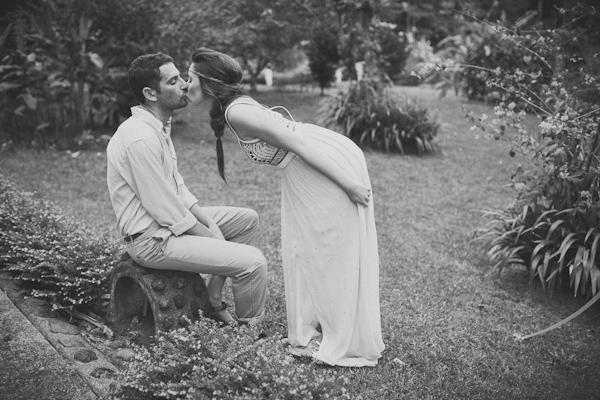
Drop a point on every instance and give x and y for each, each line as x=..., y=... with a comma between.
x=144, y=72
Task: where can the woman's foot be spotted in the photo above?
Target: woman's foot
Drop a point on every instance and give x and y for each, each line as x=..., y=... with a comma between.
x=317, y=361
x=306, y=351
x=221, y=314
x=302, y=352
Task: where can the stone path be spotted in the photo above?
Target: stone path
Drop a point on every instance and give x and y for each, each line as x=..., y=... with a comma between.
x=97, y=368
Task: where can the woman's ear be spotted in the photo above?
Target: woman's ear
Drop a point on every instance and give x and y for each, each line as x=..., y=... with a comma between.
x=149, y=93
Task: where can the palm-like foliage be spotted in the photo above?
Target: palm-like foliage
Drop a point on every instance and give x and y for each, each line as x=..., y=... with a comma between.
x=558, y=247
x=372, y=116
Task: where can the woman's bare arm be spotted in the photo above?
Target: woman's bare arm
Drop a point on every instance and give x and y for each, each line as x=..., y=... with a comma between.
x=251, y=121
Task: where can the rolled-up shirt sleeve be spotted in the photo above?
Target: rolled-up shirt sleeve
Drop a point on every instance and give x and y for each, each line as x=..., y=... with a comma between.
x=188, y=198
x=157, y=195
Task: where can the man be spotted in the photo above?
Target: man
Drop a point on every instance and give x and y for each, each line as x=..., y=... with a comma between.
x=159, y=219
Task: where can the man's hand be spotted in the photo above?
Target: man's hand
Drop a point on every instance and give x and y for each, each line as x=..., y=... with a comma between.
x=205, y=226
x=202, y=230
x=216, y=232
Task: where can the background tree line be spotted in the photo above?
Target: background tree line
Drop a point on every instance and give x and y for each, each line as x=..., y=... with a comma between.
x=63, y=71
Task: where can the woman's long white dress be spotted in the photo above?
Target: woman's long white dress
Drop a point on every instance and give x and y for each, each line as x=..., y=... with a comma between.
x=329, y=249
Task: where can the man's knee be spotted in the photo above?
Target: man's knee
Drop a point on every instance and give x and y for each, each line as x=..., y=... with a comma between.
x=251, y=218
x=248, y=227
x=259, y=259
x=257, y=263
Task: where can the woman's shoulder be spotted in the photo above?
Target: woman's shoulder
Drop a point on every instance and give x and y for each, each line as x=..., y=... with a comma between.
x=247, y=105
x=245, y=100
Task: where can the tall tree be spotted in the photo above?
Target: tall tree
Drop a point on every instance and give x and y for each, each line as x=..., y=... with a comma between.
x=256, y=32
x=324, y=56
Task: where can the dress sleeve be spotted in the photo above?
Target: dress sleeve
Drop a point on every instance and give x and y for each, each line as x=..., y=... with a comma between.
x=158, y=197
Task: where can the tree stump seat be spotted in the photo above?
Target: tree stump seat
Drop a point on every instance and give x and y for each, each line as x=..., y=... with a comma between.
x=174, y=297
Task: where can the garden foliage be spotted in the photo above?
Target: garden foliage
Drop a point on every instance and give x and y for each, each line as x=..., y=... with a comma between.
x=491, y=52
x=553, y=226
x=50, y=254
x=392, y=49
x=373, y=116
x=208, y=361
x=63, y=72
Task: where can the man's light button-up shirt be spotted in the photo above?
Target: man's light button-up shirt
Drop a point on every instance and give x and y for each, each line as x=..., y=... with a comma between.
x=145, y=187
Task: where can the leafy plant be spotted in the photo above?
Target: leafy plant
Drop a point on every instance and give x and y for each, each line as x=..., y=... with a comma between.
x=558, y=247
x=372, y=116
x=208, y=361
x=494, y=49
x=552, y=226
x=392, y=52
x=50, y=254
x=63, y=69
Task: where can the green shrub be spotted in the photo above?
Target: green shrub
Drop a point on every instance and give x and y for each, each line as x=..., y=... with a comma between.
x=553, y=225
x=50, y=254
x=392, y=52
x=208, y=361
x=64, y=68
x=495, y=50
x=373, y=116
x=559, y=247
x=471, y=63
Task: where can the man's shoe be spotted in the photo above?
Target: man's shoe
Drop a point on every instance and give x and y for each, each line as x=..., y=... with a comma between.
x=221, y=314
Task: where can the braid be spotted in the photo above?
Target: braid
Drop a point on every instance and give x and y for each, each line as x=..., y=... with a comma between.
x=220, y=79
x=217, y=123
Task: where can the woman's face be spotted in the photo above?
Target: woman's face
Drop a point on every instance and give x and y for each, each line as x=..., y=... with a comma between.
x=195, y=95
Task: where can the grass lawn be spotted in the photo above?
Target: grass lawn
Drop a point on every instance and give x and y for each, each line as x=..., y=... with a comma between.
x=448, y=324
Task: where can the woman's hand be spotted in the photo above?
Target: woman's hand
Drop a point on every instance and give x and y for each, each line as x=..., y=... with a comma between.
x=359, y=194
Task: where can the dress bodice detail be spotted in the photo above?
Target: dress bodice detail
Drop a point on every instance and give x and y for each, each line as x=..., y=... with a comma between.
x=263, y=153
x=258, y=150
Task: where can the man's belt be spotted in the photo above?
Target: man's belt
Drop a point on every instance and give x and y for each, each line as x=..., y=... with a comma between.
x=131, y=238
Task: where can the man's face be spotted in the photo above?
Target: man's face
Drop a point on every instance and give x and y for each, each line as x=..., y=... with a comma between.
x=173, y=88
x=195, y=94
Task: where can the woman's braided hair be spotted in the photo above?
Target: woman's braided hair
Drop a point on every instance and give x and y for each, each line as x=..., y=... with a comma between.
x=220, y=77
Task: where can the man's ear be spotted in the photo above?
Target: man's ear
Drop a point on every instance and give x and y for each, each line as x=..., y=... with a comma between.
x=149, y=93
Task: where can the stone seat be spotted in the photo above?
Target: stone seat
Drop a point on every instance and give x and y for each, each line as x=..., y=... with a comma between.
x=174, y=297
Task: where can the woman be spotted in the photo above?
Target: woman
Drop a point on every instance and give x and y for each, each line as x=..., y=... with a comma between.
x=329, y=241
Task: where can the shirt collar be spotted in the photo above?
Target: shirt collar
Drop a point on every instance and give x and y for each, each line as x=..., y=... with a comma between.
x=146, y=115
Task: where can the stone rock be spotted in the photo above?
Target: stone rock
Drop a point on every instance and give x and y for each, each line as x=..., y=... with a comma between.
x=125, y=354
x=85, y=356
x=58, y=326
x=71, y=341
x=116, y=344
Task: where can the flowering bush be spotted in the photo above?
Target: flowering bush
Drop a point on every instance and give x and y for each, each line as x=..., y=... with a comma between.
x=494, y=49
x=552, y=226
x=50, y=254
x=208, y=361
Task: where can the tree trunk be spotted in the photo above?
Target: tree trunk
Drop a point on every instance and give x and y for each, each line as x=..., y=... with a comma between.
x=253, y=78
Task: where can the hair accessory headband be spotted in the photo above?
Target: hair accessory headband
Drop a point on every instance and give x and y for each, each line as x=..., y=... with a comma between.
x=210, y=78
